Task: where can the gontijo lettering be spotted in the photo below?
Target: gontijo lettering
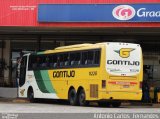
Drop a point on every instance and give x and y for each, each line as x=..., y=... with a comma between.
x=123, y=62
x=62, y=74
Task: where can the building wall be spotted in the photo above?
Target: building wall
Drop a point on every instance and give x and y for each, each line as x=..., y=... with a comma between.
x=24, y=13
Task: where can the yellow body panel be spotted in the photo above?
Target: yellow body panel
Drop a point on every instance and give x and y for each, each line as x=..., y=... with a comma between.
x=82, y=78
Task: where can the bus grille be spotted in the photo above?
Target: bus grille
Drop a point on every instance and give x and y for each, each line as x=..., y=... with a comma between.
x=94, y=91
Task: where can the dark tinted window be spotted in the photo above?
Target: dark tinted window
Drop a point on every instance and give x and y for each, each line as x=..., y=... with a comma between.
x=75, y=58
x=97, y=57
x=90, y=58
x=53, y=61
x=23, y=71
x=85, y=58
x=64, y=60
x=32, y=62
x=44, y=61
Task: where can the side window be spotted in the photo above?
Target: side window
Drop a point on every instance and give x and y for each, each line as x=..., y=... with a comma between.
x=61, y=57
x=44, y=61
x=75, y=59
x=47, y=61
x=84, y=58
x=53, y=61
x=97, y=57
x=23, y=62
x=90, y=57
x=38, y=62
x=66, y=59
x=23, y=65
x=50, y=61
x=60, y=60
x=32, y=62
x=87, y=58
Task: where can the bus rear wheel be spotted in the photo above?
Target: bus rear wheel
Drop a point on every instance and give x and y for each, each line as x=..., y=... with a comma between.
x=116, y=104
x=30, y=95
x=72, y=97
x=82, y=98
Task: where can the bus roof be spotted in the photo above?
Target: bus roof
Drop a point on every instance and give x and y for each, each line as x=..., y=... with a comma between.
x=73, y=46
x=77, y=47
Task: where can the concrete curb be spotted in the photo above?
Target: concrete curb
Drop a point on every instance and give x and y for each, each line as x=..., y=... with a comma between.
x=14, y=100
x=6, y=99
x=19, y=100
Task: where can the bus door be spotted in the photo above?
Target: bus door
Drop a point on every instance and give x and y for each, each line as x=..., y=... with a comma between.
x=22, y=71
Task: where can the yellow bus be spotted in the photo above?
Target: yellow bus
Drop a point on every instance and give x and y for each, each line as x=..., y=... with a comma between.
x=107, y=73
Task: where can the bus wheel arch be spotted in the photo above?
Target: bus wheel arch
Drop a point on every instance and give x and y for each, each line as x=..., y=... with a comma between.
x=72, y=96
x=81, y=94
x=30, y=94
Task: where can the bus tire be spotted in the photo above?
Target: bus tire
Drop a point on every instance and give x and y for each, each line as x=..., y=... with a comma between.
x=82, y=98
x=72, y=97
x=104, y=104
x=116, y=104
x=30, y=95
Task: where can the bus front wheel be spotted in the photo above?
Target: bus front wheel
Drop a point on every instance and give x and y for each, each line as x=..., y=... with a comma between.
x=30, y=95
x=72, y=97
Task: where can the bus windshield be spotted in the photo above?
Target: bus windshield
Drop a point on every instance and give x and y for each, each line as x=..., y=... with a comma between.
x=123, y=59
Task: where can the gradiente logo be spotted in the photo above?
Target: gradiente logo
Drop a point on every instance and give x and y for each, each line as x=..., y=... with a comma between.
x=124, y=52
x=124, y=12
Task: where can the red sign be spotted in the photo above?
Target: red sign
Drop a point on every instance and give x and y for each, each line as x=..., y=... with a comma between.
x=24, y=13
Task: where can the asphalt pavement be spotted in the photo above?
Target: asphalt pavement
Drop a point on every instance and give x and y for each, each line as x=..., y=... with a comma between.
x=22, y=109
